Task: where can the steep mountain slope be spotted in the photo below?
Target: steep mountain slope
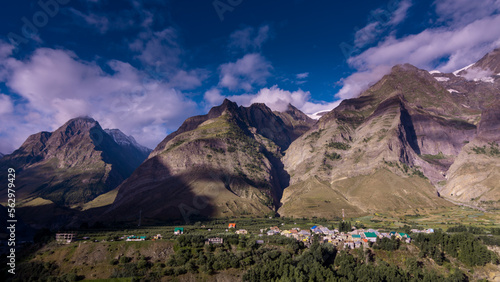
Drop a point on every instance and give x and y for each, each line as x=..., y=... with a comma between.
x=225, y=163
x=383, y=145
x=69, y=167
x=475, y=175
x=1, y=155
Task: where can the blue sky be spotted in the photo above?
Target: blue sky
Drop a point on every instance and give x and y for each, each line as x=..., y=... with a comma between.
x=145, y=66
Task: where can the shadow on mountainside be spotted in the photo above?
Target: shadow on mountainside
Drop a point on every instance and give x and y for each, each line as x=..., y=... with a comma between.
x=152, y=194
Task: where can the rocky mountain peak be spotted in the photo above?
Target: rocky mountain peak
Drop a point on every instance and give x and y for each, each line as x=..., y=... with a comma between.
x=490, y=61
x=298, y=114
x=227, y=105
x=123, y=140
x=80, y=123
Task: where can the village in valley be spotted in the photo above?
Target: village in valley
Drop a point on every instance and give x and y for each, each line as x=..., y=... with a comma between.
x=355, y=238
x=351, y=239
x=340, y=238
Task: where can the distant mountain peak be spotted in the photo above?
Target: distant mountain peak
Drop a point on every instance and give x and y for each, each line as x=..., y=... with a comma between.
x=75, y=163
x=124, y=140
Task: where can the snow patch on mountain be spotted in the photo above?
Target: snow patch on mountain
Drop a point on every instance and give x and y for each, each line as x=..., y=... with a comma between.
x=442, y=79
x=453, y=91
x=317, y=115
x=462, y=69
x=434, y=72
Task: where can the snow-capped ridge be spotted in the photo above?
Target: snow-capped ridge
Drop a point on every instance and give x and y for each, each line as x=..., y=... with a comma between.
x=462, y=69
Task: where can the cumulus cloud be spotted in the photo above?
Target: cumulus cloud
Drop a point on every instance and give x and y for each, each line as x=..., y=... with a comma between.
x=249, y=39
x=252, y=69
x=461, y=46
x=355, y=84
x=55, y=86
x=275, y=98
x=458, y=41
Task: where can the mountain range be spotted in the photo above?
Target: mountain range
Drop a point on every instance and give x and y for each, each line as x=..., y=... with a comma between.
x=63, y=170
x=415, y=139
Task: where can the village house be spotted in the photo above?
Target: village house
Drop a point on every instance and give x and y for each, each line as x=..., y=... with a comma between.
x=65, y=238
x=216, y=240
x=355, y=238
x=242, y=232
x=232, y=225
x=286, y=233
x=384, y=235
x=135, y=238
x=271, y=232
x=178, y=231
x=304, y=233
x=157, y=237
x=370, y=236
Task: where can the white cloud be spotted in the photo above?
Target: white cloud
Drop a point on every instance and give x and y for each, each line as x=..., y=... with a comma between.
x=463, y=12
x=462, y=40
x=252, y=69
x=462, y=46
x=159, y=50
x=249, y=39
x=366, y=35
x=275, y=98
x=358, y=82
x=399, y=15
x=383, y=20
x=161, y=56
x=6, y=105
x=101, y=23
x=303, y=75
x=477, y=74
x=55, y=86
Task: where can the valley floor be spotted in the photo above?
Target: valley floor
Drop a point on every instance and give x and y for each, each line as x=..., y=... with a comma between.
x=253, y=255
